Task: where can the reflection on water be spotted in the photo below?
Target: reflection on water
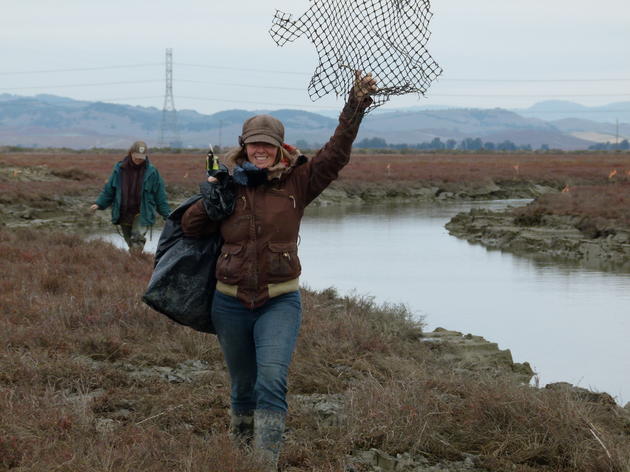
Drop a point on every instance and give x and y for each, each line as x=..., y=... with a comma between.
x=571, y=324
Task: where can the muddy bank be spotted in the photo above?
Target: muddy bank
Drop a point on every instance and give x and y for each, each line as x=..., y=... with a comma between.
x=66, y=212
x=553, y=237
x=344, y=192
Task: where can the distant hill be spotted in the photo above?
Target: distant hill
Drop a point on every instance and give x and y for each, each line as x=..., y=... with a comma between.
x=490, y=125
x=48, y=120
x=560, y=109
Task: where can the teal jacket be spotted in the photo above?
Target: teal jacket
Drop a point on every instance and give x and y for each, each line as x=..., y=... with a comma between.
x=153, y=195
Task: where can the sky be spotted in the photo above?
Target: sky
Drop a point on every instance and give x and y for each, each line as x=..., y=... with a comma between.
x=494, y=53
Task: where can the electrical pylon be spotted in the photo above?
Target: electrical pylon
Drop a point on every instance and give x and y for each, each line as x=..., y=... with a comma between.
x=169, y=137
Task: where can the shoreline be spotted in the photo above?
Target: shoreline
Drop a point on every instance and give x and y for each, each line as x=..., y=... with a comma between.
x=70, y=212
x=555, y=238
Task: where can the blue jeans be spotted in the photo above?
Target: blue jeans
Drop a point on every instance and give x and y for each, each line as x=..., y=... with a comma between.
x=258, y=345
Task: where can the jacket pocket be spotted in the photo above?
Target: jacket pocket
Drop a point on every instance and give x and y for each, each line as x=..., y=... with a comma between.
x=280, y=201
x=230, y=264
x=282, y=262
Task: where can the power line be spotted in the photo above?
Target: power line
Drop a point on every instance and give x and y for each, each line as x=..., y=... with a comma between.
x=523, y=95
x=525, y=111
x=274, y=71
x=127, y=98
x=536, y=80
x=258, y=86
x=81, y=69
x=209, y=99
x=241, y=85
x=205, y=66
x=81, y=85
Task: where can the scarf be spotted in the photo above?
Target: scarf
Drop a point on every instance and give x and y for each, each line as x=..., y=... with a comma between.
x=132, y=175
x=249, y=175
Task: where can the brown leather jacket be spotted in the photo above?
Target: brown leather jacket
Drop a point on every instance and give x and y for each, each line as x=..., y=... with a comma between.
x=259, y=258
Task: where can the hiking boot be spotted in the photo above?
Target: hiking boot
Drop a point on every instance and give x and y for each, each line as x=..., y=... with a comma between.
x=242, y=427
x=268, y=430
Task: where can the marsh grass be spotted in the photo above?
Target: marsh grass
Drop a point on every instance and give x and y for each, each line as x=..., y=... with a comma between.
x=601, y=208
x=82, y=384
x=31, y=176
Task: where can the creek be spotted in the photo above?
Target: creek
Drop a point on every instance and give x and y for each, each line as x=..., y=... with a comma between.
x=571, y=324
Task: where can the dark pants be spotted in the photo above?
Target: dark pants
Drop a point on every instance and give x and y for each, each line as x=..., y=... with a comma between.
x=258, y=345
x=134, y=234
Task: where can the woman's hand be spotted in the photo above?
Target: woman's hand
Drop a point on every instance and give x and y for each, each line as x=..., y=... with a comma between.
x=363, y=84
x=212, y=179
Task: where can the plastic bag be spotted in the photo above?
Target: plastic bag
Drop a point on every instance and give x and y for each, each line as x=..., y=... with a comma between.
x=183, y=282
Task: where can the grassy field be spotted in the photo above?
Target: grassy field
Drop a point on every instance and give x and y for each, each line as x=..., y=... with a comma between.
x=601, y=207
x=590, y=185
x=35, y=174
x=594, y=184
x=93, y=380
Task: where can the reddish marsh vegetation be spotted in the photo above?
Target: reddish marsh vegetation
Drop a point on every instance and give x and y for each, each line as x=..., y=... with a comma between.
x=600, y=207
x=58, y=182
x=183, y=171
x=91, y=379
x=54, y=183
x=567, y=168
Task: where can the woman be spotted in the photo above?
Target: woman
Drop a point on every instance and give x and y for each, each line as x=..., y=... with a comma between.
x=256, y=309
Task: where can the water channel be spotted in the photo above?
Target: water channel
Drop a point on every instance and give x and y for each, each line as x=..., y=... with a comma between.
x=571, y=324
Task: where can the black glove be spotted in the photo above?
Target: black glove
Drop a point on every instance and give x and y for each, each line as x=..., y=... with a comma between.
x=218, y=197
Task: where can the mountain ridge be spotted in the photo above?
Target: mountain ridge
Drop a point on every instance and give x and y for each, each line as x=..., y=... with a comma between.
x=50, y=120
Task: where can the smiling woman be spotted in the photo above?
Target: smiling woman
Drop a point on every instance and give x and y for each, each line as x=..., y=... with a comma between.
x=263, y=155
x=256, y=309
x=263, y=136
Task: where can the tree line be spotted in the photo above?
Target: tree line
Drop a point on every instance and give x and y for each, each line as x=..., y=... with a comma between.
x=607, y=146
x=467, y=144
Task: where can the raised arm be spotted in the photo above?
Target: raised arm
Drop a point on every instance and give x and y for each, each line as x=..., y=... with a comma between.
x=324, y=167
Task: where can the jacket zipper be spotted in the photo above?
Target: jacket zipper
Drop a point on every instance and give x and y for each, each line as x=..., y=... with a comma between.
x=253, y=235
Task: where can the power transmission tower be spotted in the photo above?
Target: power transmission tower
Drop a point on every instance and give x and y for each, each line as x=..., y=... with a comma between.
x=169, y=137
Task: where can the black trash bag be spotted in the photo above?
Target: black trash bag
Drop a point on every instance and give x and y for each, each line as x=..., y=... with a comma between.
x=183, y=282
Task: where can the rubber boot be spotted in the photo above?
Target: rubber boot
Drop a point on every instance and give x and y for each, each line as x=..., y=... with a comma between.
x=268, y=430
x=242, y=428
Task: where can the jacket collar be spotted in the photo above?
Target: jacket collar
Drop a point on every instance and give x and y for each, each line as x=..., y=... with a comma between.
x=279, y=171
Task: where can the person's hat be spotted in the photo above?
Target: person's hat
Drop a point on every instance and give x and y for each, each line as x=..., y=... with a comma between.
x=139, y=150
x=262, y=129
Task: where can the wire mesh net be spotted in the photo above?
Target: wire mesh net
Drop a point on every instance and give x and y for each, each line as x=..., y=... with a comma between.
x=385, y=37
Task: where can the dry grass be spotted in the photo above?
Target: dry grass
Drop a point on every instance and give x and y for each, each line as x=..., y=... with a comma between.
x=601, y=208
x=86, y=171
x=62, y=183
x=82, y=384
x=567, y=168
x=505, y=424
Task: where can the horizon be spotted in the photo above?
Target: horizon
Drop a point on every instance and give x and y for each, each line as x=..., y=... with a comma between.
x=380, y=110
